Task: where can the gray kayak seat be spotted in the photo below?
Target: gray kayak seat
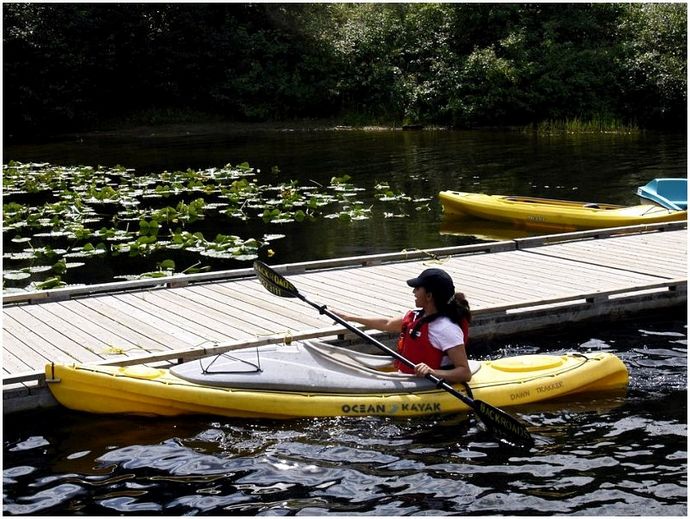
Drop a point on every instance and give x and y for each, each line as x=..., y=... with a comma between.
x=309, y=366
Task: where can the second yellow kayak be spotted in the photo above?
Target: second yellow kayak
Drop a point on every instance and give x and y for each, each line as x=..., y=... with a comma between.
x=545, y=212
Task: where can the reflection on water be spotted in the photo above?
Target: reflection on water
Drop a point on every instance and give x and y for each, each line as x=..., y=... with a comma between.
x=485, y=230
x=615, y=455
x=603, y=168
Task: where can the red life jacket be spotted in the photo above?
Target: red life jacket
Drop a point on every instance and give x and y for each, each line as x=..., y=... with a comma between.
x=414, y=343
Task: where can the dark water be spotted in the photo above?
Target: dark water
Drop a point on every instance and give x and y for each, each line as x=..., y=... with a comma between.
x=600, y=168
x=618, y=455
x=615, y=455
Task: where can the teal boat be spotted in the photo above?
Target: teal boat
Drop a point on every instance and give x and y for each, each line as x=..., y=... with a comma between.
x=671, y=193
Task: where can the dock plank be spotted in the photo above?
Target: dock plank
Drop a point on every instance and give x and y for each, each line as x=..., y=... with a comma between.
x=471, y=276
x=353, y=292
x=11, y=361
x=651, y=253
x=651, y=264
x=74, y=340
x=133, y=337
x=36, y=347
x=150, y=324
x=254, y=298
x=93, y=328
x=506, y=273
x=181, y=310
x=477, y=291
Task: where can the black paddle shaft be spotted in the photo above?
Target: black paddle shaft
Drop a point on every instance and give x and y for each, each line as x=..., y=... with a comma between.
x=498, y=422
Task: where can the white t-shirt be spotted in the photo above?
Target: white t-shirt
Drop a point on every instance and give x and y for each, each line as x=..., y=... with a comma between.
x=445, y=334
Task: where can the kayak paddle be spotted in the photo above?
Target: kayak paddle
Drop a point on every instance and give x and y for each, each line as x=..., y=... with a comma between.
x=497, y=422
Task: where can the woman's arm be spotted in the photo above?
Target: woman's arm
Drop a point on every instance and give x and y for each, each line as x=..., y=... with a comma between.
x=459, y=373
x=385, y=324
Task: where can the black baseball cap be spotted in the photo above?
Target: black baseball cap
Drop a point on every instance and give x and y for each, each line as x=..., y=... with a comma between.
x=436, y=281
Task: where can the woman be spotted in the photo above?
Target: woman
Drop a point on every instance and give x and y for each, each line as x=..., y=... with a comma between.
x=433, y=337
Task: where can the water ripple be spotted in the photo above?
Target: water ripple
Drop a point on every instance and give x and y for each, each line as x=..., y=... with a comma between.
x=44, y=499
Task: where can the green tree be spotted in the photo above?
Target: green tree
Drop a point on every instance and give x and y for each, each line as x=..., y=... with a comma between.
x=73, y=66
x=654, y=57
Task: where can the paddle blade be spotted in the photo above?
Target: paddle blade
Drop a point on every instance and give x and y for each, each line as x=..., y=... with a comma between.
x=502, y=425
x=274, y=282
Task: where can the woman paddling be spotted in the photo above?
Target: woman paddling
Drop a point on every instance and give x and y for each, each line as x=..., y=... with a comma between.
x=434, y=335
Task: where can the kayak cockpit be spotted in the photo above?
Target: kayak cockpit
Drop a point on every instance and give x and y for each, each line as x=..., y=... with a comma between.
x=312, y=366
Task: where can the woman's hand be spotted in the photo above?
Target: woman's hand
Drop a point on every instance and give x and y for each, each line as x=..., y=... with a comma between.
x=460, y=373
x=422, y=370
x=343, y=315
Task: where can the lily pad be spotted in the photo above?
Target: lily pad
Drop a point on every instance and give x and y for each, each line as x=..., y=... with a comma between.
x=219, y=254
x=16, y=275
x=273, y=237
x=38, y=269
x=19, y=256
x=52, y=234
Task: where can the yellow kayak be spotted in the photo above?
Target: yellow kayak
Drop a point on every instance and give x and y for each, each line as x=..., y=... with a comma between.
x=153, y=391
x=545, y=212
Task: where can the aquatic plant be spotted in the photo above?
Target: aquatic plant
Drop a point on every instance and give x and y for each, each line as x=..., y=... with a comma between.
x=70, y=216
x=600, y=124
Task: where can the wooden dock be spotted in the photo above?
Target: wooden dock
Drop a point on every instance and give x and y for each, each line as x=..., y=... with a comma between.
x=513, y=286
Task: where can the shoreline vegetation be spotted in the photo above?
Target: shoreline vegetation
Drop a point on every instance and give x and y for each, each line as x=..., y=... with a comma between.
x=171, y=118
x=197, y=123
x=552, y=68
x=579, y=126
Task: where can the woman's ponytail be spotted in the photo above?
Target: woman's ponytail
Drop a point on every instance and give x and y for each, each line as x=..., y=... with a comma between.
x=459, y=309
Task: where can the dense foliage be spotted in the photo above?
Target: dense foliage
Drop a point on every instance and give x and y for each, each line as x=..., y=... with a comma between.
x=73, y=66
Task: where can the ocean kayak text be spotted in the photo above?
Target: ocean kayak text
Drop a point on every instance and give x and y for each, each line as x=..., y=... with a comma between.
x=429, y=407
